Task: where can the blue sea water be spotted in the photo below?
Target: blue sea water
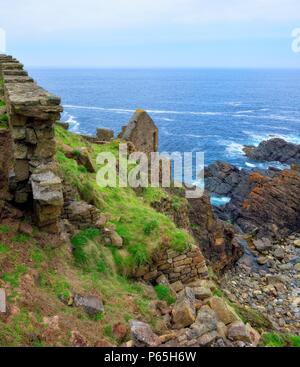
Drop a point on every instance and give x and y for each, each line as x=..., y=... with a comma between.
x=215, y=111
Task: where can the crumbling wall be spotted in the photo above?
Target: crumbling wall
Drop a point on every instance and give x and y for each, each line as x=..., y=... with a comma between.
x=176, y=267
x=32, y=114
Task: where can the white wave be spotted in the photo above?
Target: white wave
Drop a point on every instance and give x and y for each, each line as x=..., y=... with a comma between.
x=258, y=138
x=245, y=112
x=121, y=110
x=165, y=119
x=234, y=103
x=71, y=120
x=234, y=149
x=250, y=165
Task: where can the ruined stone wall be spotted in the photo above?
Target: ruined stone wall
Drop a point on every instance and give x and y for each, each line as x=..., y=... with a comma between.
x=184, y=267
x=32, y=114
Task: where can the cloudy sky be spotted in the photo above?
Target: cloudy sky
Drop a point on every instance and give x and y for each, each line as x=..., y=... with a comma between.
x=152, y=33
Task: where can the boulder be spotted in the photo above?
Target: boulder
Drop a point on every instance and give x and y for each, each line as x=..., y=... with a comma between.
x=92, y=305
x=274, y=150
x=238, y=331
x=224, y=312
x=142, y=335
x=263, y=244
x=85, y=160
x=297, y=243
x=202, y=293
x=184, y=311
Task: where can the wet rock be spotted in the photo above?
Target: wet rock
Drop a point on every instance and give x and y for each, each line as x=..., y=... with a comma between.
x=142, y=335
x=184, y=312
x=91, y=304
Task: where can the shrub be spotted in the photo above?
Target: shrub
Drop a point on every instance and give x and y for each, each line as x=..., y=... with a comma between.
x=2, y=103
x=163, y=293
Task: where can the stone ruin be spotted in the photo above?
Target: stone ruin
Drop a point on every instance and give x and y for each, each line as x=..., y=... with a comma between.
x=28, y=174
x=142, y=132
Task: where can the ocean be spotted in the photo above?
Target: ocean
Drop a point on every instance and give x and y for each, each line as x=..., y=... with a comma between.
x=212, y=111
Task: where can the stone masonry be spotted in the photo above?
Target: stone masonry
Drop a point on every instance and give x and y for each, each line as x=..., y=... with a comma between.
x=184, y=267
x=32, y=114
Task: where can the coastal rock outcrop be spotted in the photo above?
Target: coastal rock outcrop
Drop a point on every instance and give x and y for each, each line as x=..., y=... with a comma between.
x=274, y=150
x=216, y=238
x=258, y=198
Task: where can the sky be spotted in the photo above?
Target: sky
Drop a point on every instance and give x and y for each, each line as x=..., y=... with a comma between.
x=152, y=33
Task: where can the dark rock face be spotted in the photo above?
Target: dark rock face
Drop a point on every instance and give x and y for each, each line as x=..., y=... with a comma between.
x=266, y=203
x=224, y=179
x=275, y=150
x=273, y=206
x=216, y=238
x=263, y=202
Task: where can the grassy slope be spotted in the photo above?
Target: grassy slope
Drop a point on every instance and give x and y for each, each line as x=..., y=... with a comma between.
x=131, y=214
x=39, y=274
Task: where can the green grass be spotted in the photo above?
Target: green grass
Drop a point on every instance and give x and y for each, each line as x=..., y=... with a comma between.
x=180, y=241
x=2, y=103
x=218, y=293
x=80, y=241
x=163, y=293
x=21, y=238
x=139, y=255
x=37, y=256
x=3, y=249
x=4, y=229
x=13, y=278
x=141, y=227
x=280, y=340
x=150, y=227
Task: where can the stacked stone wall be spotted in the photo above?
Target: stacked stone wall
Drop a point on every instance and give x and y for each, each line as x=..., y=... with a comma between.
x=32, y=113
x=176, y=267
